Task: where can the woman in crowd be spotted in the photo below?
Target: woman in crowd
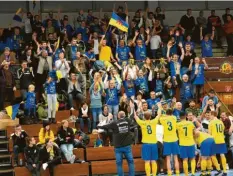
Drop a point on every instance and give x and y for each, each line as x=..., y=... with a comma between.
x=45, y=133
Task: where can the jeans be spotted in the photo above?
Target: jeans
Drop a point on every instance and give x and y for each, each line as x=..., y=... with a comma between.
x=67, y=150
x=127, y=152
x=52, y=103
x=35, y=171
x=95, y=115
x=154, y=53
x=81, y=121
x=77, y=96
x=113, y=109
x=16, y=151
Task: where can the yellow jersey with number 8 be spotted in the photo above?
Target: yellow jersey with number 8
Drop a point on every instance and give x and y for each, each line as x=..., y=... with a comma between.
x=148, y=130
x=216, y=128
x=169, y=124
x=185, y=133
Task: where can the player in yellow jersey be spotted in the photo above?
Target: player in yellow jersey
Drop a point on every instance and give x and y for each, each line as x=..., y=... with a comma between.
x=149, y=146
x=207, y=148
x=216, y=129
x=187, y=144
x=170, y=140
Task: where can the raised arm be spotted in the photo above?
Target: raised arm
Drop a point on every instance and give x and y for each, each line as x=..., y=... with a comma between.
x=213, y=31
x=148, y=36
x=201, y=35
x=191, y=65
x=135, y=37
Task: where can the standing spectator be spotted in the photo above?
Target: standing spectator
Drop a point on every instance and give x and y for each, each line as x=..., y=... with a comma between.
x=96, y=91
x=50, y=86
x=8, y=56
x=84, y=115
x=123, y=53
x=31, y=153
x=198, y=72
x=63, y=66
x=28, y=22
x=44, y=67
x=210, y=106
x=155, y=42
x=26, y=76
x=71, y=50
x=8, y=85
x=66, y=139
x=188, y=22
x=45, y=133
x=160, y=15
x=50, y=156
x=37, y=24
x=224, y=16
x=122, y=142
x=227, y=126
x=30, y=104
x=206, y=43
x=201, y=22
x=90, y=17
x=105, y=52
x=81, y=17
x=188, y=55
x=192, y=108
x=112, y=89
x=54, y=22
x=215, y=21
x=19, y=142
x=228, y=29
x=75, y=89
x=66, y=28
x=84, y=30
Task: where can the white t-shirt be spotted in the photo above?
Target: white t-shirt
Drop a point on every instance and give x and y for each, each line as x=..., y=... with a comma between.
x=96, y=46
x=155, y=42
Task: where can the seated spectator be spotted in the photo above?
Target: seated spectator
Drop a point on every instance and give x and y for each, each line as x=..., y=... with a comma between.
x=8, y=56
x=106, y=118
x=7, y=86
x=26, y=77
x=84, y=114
x=192, y=108
x=30, y=105
x=50, y=156
x=188, y=22
x=211, y=94
x=225, y=16
x=75, y=89
x=228, y=29
x=45, y=133
x=206, y=44
x=19, y=142
x=65, y=136
x=214, y=23
x=31, y=153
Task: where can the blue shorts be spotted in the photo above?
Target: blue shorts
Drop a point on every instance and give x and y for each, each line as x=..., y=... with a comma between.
x=149, y=152
x=171, y=148
x=208, y=147
x=220, y=148
x=187, y=151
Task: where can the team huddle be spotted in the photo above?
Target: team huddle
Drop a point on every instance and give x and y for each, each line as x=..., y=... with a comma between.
x=182, y=138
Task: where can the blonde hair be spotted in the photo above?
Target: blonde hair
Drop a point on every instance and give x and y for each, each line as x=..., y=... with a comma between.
x=30, y=87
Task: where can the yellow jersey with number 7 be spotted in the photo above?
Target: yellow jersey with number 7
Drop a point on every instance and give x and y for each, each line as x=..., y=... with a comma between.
x=169, y=124
x=185, y=133
x=216, y=128
x=148, y=130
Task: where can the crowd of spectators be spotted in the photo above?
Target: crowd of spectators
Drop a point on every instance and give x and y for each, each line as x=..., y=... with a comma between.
x=104, y=69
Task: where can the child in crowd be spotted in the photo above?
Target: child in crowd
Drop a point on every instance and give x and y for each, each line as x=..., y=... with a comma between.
x=30, y=104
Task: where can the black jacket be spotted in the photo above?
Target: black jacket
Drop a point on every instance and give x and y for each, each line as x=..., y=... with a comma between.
x=31, y=154
x=44, y=156
x=19, y=140
x=121, y=132
x=25, y=77
x=63, y=134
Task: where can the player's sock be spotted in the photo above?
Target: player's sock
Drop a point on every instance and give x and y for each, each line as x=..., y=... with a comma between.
x=185, y=167
x=209, y=166
x=224, y=163
x=215, y=162
x=193, y=166
x=147, y=168
x=169, y=172
x=177, y=172
x=203, y=166
x=154, y=168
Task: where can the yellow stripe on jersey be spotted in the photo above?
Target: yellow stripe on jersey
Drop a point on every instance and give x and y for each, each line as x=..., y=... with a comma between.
x=202, y=136
x=148, y=130
x=185, y=133
x=216, y=128
x=169, y=124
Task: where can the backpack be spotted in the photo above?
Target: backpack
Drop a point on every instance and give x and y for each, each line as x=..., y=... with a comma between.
x=98, y=65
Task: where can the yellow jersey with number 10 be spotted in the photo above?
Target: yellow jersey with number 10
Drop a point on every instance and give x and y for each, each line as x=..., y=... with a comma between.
x=148, y=130
x=185, y=133
x=216, y=128
x=169, y=124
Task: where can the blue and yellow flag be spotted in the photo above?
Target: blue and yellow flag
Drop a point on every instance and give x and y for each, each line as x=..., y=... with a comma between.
x=118, y=22
x=17, y=16
x=12, y=110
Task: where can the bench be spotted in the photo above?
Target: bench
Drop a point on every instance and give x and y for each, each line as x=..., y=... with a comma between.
x=97, y=166
x=60, y=170
x=107, y=153
x=62, y=115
